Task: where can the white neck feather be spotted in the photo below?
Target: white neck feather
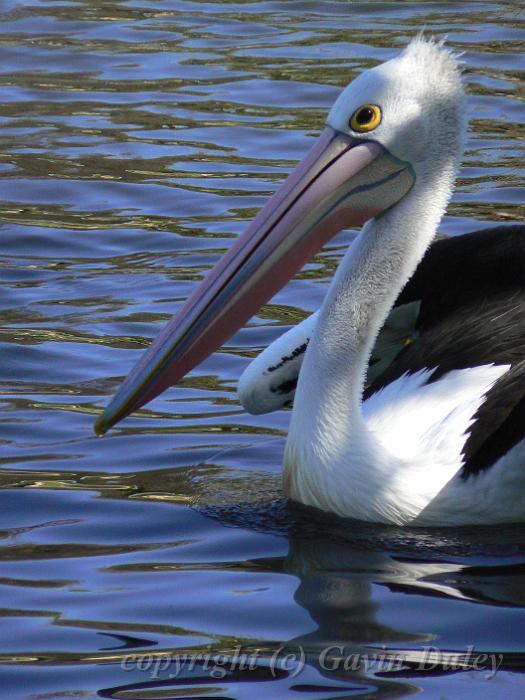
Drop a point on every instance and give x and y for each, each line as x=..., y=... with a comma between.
x=327, y=427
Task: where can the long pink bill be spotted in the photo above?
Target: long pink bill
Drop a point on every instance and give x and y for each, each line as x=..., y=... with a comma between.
x=341, y=182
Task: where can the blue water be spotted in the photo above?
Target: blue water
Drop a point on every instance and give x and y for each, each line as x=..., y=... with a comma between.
x=137, y=141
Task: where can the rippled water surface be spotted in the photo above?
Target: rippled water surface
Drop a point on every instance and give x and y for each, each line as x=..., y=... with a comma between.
x=137, y=140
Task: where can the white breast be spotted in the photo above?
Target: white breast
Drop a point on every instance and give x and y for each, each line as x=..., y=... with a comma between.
x=402, y=464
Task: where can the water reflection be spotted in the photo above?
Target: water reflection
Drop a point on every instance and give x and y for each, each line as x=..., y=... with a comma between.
x=357, y=645
x=360, y=587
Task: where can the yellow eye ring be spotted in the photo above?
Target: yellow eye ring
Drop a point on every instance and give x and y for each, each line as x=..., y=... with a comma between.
x=365, y=118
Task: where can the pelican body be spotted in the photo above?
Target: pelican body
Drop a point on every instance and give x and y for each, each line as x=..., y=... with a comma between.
x=418, y=447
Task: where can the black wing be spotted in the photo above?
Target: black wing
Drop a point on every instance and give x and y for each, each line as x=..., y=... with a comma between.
x=472, y=294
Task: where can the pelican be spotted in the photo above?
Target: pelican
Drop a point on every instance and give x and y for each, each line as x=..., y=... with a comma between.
x=438, y=438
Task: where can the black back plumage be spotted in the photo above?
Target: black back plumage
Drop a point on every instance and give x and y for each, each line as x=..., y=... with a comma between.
x=472, y=294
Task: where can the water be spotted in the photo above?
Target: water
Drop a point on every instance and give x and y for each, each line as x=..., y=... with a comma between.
x=138, y=139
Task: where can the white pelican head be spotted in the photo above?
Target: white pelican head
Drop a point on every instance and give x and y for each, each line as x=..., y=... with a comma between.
x=387, y=133
x=420, y=101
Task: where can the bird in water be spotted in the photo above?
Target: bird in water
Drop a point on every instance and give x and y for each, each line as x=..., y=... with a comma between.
x=437, y=435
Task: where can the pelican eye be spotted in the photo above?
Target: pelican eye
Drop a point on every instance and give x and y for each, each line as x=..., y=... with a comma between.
x=365, y=118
